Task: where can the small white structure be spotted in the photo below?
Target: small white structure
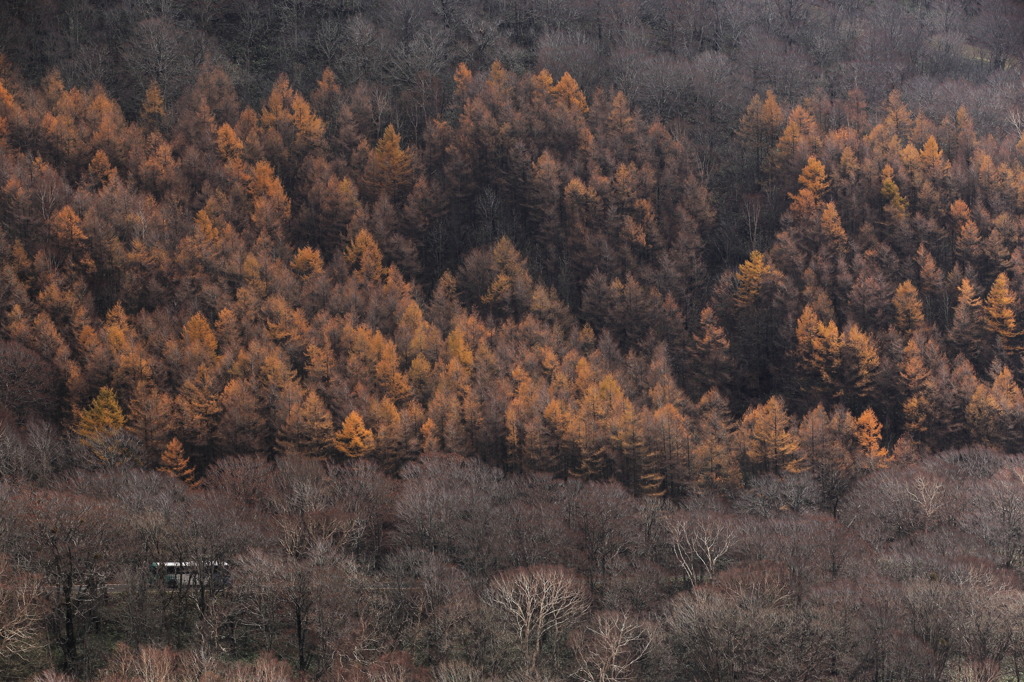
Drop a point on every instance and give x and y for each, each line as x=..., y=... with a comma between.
x=176, y=574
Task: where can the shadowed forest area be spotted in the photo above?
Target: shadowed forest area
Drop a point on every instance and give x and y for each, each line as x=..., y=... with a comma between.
x=511, y=340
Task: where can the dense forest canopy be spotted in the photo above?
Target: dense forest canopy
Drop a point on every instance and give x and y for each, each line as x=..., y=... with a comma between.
x=331, y=290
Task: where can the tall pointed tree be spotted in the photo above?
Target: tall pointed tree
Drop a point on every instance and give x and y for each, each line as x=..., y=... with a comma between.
x=869, y=436
x=173, y=461
x=389, y=167
x=103, y=416
x=909, y=309
x=353, y=439
x=1000, y=316
x=760, y=125
x=768, y=442
x=308, y=429
x=967, y=330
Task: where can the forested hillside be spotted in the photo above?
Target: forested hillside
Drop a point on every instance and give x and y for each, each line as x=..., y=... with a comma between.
x=531, y=284
x=640, y=293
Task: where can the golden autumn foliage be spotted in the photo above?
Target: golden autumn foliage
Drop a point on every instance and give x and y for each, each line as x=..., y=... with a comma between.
x=909, y=310
x=307, y=262
x=364, y=256
x=153, y=112
x=869, y=437
x=354, y=439
x=813, y=184
x=1000, y=316
x=103, y=416
x=497, y=282
x=760, y=125
x=66, y=229
x=897, y=206
x=198, y=333
x=308, y=429
x=389, y=168
x=966, y=330
x=174, y=462
x=228, y=143
x=749, y=279
x=766, y=433
x=271, y=207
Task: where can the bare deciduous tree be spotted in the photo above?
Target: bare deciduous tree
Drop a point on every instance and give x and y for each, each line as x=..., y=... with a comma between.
x=72, y=541
x=539, y=600
x=300, y=602
x=164, y=52
x=21, y=620
x=610, y=648
x=458, y=671
x=701, y=542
